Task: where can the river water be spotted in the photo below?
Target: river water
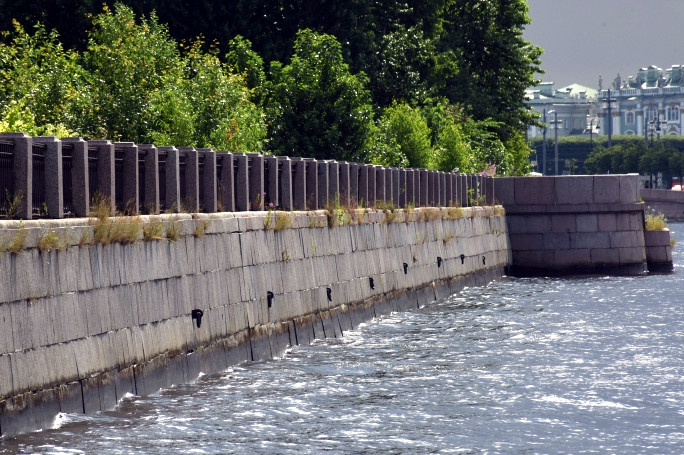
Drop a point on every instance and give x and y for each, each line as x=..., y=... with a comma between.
x=544, y=365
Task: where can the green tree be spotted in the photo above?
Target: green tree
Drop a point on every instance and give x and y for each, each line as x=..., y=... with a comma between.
x=451, y=151
x=315, y=106
x=487, y=64
x=403, y=67
x=137, y=72
x=225, y=117
x=243, y=60
x=407, y=130
x=655, y=160
x=485, y=146
x=517, y=161
x=599, y=161
x=43, y=89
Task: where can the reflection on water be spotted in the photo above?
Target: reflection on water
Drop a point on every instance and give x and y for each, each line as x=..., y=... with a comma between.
x=581, y=365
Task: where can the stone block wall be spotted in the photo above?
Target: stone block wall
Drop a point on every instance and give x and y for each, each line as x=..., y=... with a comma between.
x=658, y=250
x=574, y=224
x=82, y=326
x=669, y=203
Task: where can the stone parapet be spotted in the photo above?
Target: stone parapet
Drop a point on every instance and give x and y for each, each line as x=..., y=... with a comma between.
x=658, y=250
x=574, y=224
x=668, y=202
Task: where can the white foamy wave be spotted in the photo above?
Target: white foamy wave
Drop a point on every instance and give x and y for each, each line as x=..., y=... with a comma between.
x=61, y=419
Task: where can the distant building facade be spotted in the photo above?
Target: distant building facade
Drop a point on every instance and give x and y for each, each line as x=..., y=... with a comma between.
x=646, y=105
x=574, y=106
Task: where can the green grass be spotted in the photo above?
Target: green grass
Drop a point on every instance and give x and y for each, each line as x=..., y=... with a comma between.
x=49, y=240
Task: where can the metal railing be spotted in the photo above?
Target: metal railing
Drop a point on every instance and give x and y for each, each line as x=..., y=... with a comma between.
x=144, y=179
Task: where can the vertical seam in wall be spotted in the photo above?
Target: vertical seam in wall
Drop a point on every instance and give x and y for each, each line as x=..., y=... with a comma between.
x=80, y=381
x=135, y=379
x=290, y=328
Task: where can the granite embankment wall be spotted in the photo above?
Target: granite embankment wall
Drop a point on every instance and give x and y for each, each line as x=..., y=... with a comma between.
x=580, y=224
x=84, y=325
x=669, y=203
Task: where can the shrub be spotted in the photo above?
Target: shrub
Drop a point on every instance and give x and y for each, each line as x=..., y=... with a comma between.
x=316, y=107
x=407, y=128
x=137, y=72
x=43, y=88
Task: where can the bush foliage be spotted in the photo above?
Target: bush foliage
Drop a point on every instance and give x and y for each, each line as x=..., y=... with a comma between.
x=383, y=93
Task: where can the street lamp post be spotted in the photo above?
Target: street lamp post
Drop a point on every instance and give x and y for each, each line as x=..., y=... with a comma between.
x=555, y=139
x=544, y=145
x=609, y=105
x=591, y=131
x=656, y=121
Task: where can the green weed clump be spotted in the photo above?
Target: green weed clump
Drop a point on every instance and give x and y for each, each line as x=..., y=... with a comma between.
x=447, y=237
x=283, y=220
x=200, y=228
x=431, y=214
x=107, y=229
x=18, y=242
x=453, y=213
x=13, y=203
x=126, y=229
x=174, y=230
x=153, y=230
x=49, y=240
x=337, y=215
x=655, y=222
x=392, y=213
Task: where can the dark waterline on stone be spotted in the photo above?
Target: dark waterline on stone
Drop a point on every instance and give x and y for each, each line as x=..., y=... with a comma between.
x=580, y=365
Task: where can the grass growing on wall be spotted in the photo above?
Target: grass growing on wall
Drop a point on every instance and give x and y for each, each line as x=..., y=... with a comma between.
x=17, y=243
x=655, y=222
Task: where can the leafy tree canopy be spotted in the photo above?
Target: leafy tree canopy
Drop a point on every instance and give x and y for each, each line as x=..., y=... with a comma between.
x=140, y=72
x=316, y=107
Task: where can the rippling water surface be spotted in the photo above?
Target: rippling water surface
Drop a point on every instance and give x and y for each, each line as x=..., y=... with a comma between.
x=579, y=365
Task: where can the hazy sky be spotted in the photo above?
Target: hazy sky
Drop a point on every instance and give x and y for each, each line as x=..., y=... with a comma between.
x=584, y=38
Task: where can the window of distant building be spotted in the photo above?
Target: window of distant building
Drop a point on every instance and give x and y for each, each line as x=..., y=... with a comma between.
x=629, y=118
x=651, y=113
x=672, y=114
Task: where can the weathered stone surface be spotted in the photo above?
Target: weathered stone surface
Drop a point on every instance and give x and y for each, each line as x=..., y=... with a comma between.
x=564, y=223
x=607, y=189
x=593, y=221
x=605, y=256
x=607, y=222
x=538, y=190
x=575, y=189
x=587, y=223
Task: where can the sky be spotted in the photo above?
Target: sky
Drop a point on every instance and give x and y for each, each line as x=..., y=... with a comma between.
x=583, y=39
